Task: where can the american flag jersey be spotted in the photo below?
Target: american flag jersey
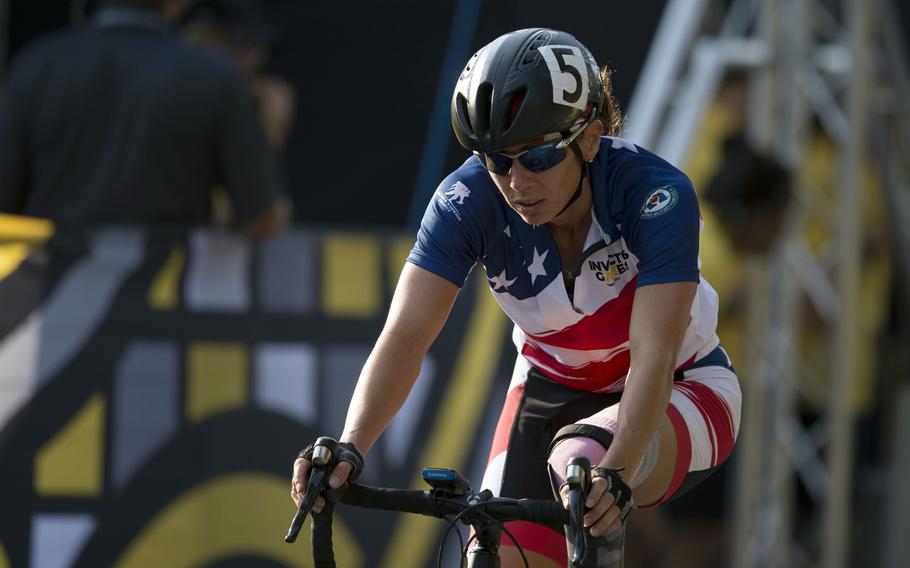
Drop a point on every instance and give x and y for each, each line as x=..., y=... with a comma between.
x=645, y=230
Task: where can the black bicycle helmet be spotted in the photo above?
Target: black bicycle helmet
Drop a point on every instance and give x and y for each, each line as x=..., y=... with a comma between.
x=525, y=85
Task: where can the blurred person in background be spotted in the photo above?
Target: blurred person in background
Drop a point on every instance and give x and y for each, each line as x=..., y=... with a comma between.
x=751, y=194
x=240, y=29
x=123, y=121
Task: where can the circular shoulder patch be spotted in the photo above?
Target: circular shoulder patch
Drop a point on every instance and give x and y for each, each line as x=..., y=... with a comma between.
x=659, y=201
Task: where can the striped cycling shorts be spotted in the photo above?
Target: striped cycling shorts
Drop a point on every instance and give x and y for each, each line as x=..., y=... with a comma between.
x=704, y=410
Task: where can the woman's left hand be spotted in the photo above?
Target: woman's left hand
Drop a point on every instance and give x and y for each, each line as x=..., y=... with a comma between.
x=605, y=515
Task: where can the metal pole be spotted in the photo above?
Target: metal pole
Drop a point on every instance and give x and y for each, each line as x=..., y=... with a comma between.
x=762, y=103
x=757, y=506
x=794, y=27
x=750, y=445
x=779, y=382
x=835, y=553
x=749, y=494
x=678, y=25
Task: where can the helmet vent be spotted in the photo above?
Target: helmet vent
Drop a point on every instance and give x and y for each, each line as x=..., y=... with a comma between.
x=484, y=102
x=513, y=108
x=462, y=113
x=530, y=55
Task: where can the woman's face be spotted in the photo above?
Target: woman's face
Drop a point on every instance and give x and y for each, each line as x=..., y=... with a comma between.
x=538, y=197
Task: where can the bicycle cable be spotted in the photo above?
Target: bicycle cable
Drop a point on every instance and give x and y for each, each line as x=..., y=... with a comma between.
x=452, y=523
x=478, y=508
x=445, y=537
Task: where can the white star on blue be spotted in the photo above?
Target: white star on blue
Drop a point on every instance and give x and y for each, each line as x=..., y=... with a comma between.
x=501, y=281
x=536, y=268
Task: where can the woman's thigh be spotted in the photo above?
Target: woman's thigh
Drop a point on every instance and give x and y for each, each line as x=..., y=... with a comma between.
x=696, y=433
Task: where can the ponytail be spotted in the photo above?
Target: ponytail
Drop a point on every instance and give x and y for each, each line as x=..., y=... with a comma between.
x=609, y=113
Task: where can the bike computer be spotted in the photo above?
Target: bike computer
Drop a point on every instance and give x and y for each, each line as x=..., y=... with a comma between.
x=447, y=480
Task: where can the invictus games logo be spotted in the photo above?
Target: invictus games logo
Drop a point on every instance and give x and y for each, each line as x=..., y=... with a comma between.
x=612, y=269
x=660, y=201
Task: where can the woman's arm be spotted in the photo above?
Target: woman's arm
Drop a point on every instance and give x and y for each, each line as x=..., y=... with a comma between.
x=420, y=307
x=660, y=315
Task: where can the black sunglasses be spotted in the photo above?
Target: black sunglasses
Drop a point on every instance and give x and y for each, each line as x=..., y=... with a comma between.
x=536, y=159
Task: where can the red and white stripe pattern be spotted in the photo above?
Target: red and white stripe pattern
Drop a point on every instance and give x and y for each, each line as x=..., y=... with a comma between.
x=704, y=410
x=585, y=345
x=708, y=400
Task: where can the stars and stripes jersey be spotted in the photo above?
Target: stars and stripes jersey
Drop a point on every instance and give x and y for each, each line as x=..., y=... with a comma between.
x=645, y=231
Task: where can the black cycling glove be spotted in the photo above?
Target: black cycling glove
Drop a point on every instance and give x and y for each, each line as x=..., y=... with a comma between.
x=621, y=492
x=346, y=451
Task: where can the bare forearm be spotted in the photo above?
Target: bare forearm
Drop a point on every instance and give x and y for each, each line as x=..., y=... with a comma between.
x=382, y=389
x=419, y=308
x=644, y=403
x=660, y=315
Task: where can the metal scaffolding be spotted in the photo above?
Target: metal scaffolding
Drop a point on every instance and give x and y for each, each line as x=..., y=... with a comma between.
x=841, y=66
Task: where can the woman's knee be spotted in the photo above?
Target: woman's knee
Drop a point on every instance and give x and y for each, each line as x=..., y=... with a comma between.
x=593, y=442
x=576, y=440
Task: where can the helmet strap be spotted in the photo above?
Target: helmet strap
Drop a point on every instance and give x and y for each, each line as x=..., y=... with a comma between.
x=584, y=173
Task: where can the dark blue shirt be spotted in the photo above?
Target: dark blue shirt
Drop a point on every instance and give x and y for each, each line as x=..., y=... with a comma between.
x=125, y=122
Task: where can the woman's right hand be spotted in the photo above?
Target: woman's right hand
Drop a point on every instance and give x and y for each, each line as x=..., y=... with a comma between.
x=301, y=476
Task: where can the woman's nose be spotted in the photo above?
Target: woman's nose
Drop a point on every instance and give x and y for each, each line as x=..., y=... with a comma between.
x=520, y=176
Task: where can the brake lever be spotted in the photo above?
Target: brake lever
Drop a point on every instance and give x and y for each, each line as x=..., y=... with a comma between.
x=323, y=452
x=578, y=478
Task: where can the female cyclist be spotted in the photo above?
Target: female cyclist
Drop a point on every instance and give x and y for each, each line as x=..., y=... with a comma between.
x=590, y=245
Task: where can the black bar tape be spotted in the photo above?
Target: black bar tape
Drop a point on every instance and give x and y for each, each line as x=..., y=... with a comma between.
x=323, y=555
x=543, y=512
x=596, y=433
x=404, y=500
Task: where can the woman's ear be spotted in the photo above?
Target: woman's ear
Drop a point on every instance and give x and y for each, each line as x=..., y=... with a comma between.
x=590, y=139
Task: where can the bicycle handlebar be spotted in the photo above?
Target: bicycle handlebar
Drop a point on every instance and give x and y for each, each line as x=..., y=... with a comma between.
x=482, y=510
x=439, y=505
x=430, y=504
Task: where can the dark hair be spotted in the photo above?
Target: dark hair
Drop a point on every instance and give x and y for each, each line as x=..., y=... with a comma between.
x=609, y=113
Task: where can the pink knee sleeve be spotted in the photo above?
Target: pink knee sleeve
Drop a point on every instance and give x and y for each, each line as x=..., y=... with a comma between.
x=568, y=449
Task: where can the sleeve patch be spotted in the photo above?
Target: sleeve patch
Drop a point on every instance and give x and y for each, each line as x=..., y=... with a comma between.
x=458, y=193
x=659, y=202
x=454, y=196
